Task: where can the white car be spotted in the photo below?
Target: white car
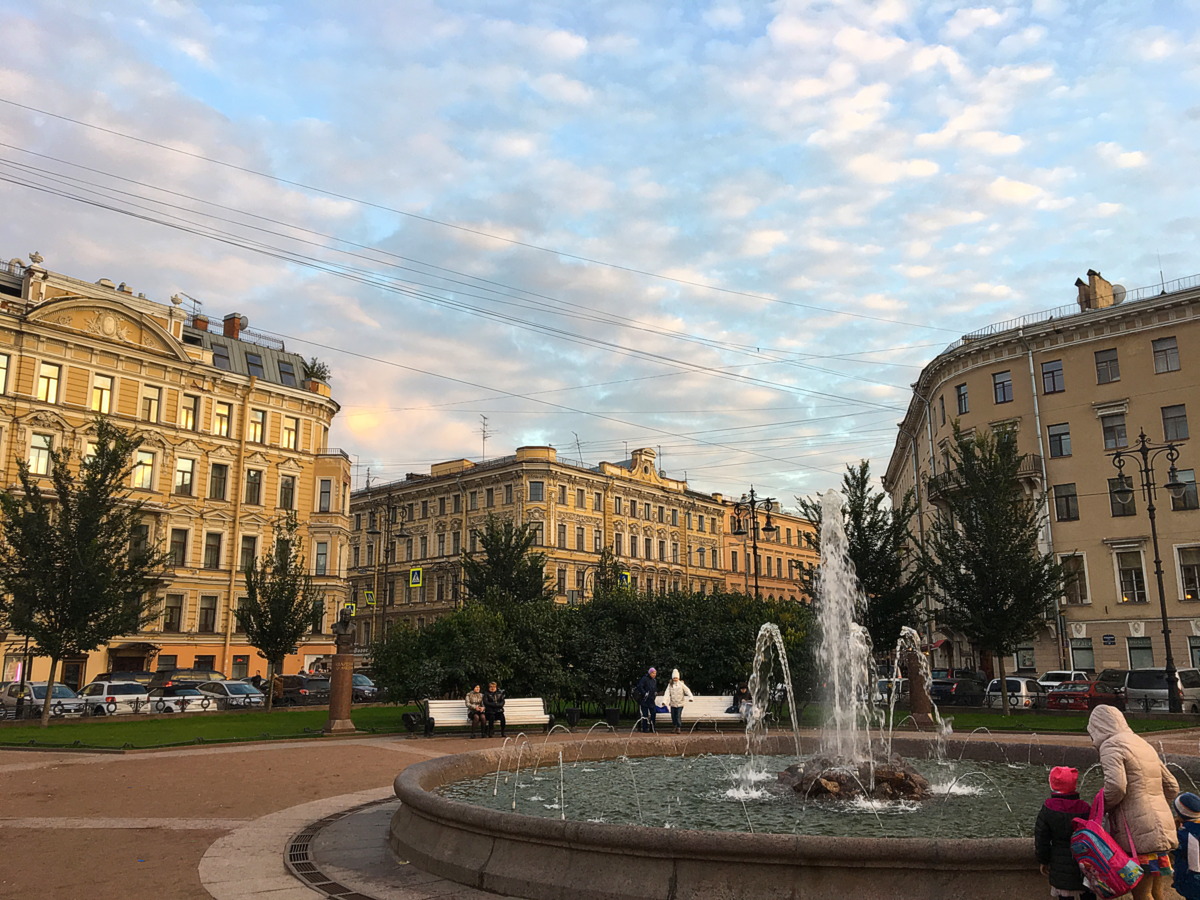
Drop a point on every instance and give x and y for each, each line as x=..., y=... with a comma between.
x=115, y=698
x=232, y=694
x=180, y=699
x=1051, y=680
x=65, y=701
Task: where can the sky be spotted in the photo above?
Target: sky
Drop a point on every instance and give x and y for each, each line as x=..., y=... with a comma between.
x=733, y=232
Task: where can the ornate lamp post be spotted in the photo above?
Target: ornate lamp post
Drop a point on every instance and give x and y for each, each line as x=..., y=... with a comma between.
x=745, y=517
x=386, y=511
x=1143, y=454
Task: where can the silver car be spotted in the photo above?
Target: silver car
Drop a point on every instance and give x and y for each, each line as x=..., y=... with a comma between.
x=1146, y=690
x=63, y=700
x=232, y=694
x=115, y=698
x=1023, y=693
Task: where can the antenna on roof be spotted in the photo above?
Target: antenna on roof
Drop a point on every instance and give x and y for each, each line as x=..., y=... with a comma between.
x=196, y=304
x=1161, y=279
x=578, y=449
x=626, y=443
x=484, y=434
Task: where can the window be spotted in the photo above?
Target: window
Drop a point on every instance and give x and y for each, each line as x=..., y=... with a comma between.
x=960, y=395
x=47, y=389
x=646, y=511
x=537, y=491
x=508, y=495
x=1052, y=377
x=616, y=506
x=173, y=616
x=1025, y=657
x=1114, y=431
x=354, y=554
x=424, y=548
x=1075, y=576
x=326, y=490
x=371, y=554
x=1188, y=500
x=221, y=356
x=662, y=550
x=189, y=408
x=457, y=504
x=562, y=494
x=675, y=517
x=151, y=399
x=942, y=409
x=249, y=552
x=217, y=478
x=1175, y=423
x=561, y=582
x=597, y=501
x=322, y=557
x=287, y=373
x=580, y=500
x=221, y=416
x=1189, y=571
x=287, y=492
x=579, y=538
x=538, y=538
x=733, y=561
x=253, y=487
x=102, y=394
x=597, y=540
x=1117, y=507
x=256, y=426
x=1002, y=386
x=178, y=551
x=674, y=552
x=618, y=549
x=241, y=667
x=489, y=498
x=1060, y=440
x=769, y=562
x=185, y=470
x=139, y=542
x=562, y=535
x=456, y=542
x=1141, y=656
x=212, y=551
x=1082, y=656
x=207, y=621
x=473, y=500
x=143, y=470
x=1194, y=647
x=254, y=364
x=633, y=509
x=700, y=523
x=441, y=545
x=1166, y=355
x=424, y=512
x=1132, y=577
x=1107, y=367
x=3, y=373
x=40, y=446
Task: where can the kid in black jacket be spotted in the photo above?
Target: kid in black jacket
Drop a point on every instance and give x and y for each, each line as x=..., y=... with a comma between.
x=1052, y=835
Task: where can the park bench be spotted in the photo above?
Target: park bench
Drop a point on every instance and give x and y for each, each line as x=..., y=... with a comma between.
x=519, y=712
x=704, y=709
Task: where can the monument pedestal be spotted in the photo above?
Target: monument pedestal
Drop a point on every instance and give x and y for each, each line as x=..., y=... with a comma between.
x=341, y=689
x=919, y=701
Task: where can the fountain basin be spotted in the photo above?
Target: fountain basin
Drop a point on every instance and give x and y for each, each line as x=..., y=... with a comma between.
x=549, y=859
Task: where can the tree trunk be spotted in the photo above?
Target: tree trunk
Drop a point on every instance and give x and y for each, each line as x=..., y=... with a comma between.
x=270, y=692
x=49, y=692
x=1003, y=684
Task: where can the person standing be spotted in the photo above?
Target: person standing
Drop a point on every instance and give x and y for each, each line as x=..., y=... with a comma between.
x=493, y=709
x=646, y=694
x=1138, y=791
x=475, y=711
x=676, y=692
x=1052, y=835
x=1187, y=857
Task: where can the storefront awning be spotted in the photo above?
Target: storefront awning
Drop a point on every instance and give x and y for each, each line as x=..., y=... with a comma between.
x=134, y=648
x=934, y=645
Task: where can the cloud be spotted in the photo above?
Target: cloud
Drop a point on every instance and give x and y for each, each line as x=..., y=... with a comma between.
x=874, y=167
x=763, y=241
x=992, y=290
x=724, y=18
x=1115, y=155
x=966, y=22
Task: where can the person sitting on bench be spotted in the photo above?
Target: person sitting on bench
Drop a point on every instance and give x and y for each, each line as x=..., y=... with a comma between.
x=475, y=711
x=493, y=707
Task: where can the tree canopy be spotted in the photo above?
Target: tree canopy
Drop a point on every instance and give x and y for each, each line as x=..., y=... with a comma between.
x=505, y=571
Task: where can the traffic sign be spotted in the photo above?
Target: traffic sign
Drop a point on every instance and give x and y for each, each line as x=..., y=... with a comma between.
x=368, y=598
x=351, y=608
x=623, y=579
x=414, y=577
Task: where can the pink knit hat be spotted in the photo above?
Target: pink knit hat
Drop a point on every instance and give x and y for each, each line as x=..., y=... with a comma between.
x=1064, y=779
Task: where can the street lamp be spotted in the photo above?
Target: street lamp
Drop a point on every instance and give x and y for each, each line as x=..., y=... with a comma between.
x=387, y=512
x=745, y=517
x=1143, y=454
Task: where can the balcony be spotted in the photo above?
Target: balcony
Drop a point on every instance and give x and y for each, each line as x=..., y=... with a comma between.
x=1029, y=473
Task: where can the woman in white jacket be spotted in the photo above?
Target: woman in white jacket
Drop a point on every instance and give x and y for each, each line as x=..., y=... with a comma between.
x=676, y=691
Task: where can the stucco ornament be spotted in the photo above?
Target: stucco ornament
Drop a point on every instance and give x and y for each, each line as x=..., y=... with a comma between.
x=107, y=325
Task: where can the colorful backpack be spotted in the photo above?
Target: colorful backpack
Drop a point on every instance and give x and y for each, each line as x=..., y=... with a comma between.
x=1107, y=869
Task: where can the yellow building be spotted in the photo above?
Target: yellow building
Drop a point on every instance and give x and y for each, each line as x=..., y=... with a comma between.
x=667, y=536
x=783, y=558
x=234, y=438
x=1074, y=385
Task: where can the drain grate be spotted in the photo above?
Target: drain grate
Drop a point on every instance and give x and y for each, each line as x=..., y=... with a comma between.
x=299, y=861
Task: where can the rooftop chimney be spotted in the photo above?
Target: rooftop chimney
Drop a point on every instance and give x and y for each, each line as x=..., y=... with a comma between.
x=1095, y=293
x=233, y=325
x=200, y=322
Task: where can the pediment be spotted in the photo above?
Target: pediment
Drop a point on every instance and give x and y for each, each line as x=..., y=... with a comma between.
x=109, y=320
x=45, y=418
x=290, y=466
x=258, y=458
x=220, y=453
x=190, y=448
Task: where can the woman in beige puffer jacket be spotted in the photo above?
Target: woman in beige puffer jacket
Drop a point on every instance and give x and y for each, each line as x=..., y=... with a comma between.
x=1138, y=790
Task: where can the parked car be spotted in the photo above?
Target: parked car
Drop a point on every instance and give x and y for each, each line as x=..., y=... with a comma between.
x=960, y=687
x=180, y=698
x=1114, y=679
x=63, y=700
x=305, y=690
x=1023, y=693
x=232, y=694
x=114, y=698
x=1146, y=689
x=1049, y=680
x=172, y=677
x=139, y=677
x=886, y=687
x=363, y=689
x=1083, y=695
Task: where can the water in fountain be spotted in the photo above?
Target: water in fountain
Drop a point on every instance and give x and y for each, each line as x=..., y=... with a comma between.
x=768, y=644
x=909, y=644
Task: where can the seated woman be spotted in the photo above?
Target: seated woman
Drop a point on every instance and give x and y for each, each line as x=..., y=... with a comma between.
x=475, y=711
x=742, y=704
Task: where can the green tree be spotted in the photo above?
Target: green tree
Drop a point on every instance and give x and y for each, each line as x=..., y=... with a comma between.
x=75, y=563
x=878, y=542
x=506, y=570
x=281, y=601
x=982, y=553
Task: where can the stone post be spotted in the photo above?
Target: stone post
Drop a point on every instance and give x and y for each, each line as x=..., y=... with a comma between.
x=341, y=680
x=918, y=696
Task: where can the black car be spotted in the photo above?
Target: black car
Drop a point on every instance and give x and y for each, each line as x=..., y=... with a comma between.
x=305, y=690
x=139, y=677
x=1114, y=680
x=185, y=677
x=363, y=689
x=960, y=687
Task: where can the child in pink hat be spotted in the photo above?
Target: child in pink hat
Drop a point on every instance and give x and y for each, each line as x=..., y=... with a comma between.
x=1052, y=835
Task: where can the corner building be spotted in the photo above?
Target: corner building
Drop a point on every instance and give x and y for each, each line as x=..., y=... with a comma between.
x=783, y=561
x=1073, y=385
x=233, y=439
x=665, y=535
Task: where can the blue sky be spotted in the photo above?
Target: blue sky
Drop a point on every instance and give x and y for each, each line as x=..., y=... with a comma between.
x=801, y=202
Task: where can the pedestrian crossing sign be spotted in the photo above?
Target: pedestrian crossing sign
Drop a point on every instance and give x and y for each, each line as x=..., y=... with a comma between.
x=351, y=608
x=414, y=577
x=368, y=598
x=623, y=579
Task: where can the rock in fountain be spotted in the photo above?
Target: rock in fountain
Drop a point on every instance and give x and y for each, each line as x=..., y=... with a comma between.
x=823, y=778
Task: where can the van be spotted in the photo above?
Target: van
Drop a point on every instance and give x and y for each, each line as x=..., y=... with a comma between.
x=1146, y=690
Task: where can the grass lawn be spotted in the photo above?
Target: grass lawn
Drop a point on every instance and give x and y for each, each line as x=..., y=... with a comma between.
x=186, y=728
x=1044, y=723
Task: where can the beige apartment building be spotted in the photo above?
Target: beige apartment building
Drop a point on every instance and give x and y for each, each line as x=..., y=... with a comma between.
x=408, y=535
x=783, y=557
x=234, y=439
x=1074, y=385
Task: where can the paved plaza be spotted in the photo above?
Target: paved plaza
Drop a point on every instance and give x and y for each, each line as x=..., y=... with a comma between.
x=217, y=822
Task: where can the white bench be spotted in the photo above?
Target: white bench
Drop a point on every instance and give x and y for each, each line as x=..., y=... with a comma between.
x=704, y=709
x=518, y=711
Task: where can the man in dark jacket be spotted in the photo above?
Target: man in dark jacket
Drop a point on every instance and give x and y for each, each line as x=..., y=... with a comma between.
x=1053, y=829
x=646, y=693
x=493, y=708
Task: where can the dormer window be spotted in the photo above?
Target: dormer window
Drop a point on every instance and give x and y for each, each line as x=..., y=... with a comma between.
x=221, y=357
x=254, y=362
